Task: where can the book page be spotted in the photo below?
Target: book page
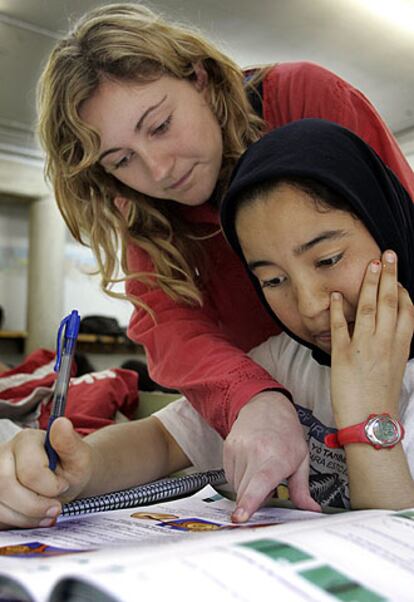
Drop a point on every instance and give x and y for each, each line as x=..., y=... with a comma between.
x=76, y=542
x=364, y=556
x=192, y=516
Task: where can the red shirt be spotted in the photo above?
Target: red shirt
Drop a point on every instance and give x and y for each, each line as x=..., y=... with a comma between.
x=201, y=351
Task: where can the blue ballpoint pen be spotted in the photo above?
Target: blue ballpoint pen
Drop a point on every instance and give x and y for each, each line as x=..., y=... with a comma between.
x=64, y=356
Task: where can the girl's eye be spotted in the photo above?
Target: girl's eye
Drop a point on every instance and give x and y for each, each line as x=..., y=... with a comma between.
x=163, y=127
x=329, y=261
x=273, y=282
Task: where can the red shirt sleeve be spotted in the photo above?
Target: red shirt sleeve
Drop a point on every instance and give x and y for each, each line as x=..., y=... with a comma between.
x=186, y=349
x=294, y=91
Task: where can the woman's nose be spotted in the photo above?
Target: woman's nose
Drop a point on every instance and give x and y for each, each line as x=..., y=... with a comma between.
x=159, y=165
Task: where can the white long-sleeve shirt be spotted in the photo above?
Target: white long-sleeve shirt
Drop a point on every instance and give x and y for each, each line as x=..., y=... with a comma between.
x=309, y=383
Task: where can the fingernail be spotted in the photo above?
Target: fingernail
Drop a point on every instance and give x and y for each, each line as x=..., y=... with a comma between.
x=240, y=515
x=336, y=296
x=389, y=257
x=53, y=511
x=375, y=266
x=47, y=522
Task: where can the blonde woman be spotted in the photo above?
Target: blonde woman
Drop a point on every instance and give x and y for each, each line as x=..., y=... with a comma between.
x=142, y=122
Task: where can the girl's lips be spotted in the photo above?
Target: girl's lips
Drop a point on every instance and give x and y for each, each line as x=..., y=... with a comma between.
x=325, y=335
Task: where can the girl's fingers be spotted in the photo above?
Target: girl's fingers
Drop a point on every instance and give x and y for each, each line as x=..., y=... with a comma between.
x=31, y=466
x=20, y=506
x=405, y=321
x=365, y=319
x=339, y=327
x=387, y=311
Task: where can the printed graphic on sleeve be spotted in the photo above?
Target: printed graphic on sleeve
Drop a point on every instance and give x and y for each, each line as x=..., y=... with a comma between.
x=328, y=474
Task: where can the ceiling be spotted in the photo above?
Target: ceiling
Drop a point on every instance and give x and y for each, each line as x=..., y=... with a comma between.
x=366, y=48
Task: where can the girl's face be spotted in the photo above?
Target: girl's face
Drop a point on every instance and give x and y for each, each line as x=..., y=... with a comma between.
x=160, y=138
x=301, y=253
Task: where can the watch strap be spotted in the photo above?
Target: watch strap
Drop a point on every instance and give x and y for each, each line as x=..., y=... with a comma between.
x=349, y=434
x=357, y=434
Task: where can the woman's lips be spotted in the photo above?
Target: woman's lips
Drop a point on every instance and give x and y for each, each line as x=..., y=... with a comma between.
x=179, y=183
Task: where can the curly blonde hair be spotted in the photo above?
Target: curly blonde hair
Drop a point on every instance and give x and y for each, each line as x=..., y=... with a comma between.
x=129, y=42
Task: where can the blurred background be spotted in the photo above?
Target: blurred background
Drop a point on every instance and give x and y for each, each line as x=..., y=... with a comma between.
x=370, y=43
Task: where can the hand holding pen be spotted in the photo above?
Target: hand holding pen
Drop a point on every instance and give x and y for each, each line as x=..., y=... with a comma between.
x=66, y=343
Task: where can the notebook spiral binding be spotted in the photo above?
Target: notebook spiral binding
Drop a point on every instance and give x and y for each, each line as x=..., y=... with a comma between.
x=142, y=495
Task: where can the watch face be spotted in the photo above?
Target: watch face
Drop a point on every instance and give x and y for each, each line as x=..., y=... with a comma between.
x=383, y=431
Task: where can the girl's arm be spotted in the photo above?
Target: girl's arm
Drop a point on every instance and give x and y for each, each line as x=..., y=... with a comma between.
x=132, y=453
x=115, y=457
x=367, y=372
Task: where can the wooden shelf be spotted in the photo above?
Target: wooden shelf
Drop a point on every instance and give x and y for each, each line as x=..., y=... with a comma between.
x=13, y=335
x=103, y=343
x=16, y=337
x=87, y=343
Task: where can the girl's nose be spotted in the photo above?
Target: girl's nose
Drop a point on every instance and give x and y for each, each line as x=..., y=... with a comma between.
x=312, y=300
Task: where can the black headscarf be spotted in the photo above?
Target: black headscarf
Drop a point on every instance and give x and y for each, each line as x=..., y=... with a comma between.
x=334, y=156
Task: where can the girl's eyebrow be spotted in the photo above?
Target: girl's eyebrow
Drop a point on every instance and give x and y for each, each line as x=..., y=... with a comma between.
x=138, y=126
x=300, y=249
x=326, y=235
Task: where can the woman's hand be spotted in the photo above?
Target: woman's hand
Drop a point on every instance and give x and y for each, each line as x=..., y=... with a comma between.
x=368, y=364
x=265, y=446
x=30, y=493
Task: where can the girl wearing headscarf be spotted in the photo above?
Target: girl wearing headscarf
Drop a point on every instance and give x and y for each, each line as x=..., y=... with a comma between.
x=320, y=224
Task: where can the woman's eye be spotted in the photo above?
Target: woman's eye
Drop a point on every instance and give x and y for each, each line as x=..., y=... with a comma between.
x=329, y=261
x=163, y=127
x=272, y=283
x=123, y=162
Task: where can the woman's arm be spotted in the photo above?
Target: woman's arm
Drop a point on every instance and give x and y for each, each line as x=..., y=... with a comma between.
x=366, y=378
x=188, y=350
x=299, y=90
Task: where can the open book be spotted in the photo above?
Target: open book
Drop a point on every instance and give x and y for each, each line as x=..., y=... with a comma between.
x=187, y=549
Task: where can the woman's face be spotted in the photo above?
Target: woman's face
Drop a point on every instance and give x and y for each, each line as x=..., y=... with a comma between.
x=160, y=138
x=301, y=252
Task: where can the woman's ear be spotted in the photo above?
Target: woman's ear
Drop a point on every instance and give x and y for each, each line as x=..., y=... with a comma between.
x=201, y=76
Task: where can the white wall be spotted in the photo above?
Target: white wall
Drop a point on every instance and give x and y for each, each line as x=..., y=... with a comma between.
x=14, y=228
x=81, y=289
x=406, y=141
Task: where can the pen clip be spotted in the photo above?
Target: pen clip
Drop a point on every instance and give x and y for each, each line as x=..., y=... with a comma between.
x=70, y=328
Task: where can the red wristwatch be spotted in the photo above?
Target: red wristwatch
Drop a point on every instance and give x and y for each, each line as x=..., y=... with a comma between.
x=379, y=430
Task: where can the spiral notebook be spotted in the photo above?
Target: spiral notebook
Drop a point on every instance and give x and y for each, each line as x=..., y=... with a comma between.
x=142, y=495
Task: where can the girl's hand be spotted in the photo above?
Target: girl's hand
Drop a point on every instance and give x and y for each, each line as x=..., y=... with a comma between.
x=368, y=365
x=31, y=494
